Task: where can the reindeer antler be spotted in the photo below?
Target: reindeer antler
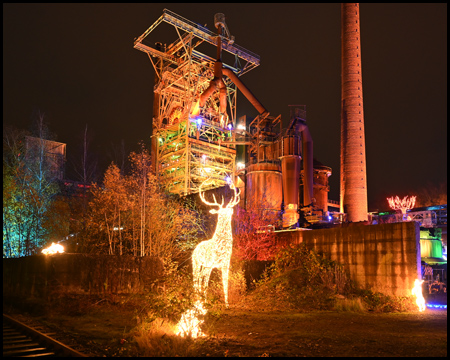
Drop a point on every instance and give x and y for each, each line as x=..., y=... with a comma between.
x=236, y=198
x=202, y=196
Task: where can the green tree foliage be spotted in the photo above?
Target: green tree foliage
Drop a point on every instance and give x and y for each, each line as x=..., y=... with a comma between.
x=132, y=215
x=57, y=219
x=29, y=189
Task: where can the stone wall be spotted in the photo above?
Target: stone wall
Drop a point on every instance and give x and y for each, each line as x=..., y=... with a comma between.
x=384, y=258
x=42, y=275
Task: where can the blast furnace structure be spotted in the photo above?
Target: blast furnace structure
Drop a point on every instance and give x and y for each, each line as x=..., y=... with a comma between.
x=196, y=132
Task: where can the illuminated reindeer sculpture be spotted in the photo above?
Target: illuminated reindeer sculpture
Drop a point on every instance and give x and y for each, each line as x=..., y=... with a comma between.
x=216, y=252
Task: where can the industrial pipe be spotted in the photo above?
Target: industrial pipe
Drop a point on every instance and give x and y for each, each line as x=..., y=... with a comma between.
x=307, y=149
x=218, y=83
x=245, y=91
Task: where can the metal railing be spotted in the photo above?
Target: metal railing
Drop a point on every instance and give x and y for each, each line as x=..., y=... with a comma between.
x=209, y=36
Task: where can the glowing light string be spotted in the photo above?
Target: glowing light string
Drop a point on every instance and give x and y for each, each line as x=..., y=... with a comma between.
x=403, y=205
x=210, y=254
x=216, y=252
x=417, y=292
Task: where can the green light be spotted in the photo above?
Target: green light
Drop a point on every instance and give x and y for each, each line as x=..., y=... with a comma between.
x=430, y=248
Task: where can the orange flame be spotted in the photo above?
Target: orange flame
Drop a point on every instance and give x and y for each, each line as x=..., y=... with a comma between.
x=53, y=249
x=189, y=324
x=417, y=292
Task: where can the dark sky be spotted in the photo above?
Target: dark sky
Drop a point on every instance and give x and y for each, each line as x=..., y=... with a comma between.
x=77, y=64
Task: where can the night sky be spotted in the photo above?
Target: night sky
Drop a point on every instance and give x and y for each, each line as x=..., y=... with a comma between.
x=76, y=63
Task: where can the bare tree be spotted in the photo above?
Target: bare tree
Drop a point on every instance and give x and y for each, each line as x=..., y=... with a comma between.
x=40, y=167
x=86, y=162
x=432, y=194
x=118, y=153
x=255, y=236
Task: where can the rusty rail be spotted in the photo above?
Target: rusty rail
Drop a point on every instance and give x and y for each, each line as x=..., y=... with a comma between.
x=21, y=340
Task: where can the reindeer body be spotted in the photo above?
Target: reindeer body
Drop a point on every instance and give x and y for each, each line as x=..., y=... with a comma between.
x=215, y=252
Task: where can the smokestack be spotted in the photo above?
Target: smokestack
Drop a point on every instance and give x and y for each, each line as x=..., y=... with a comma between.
x=353, y=198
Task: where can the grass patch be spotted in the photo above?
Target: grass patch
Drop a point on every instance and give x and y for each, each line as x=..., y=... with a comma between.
x=354, y=305
x=158, y=338
x=379, y=302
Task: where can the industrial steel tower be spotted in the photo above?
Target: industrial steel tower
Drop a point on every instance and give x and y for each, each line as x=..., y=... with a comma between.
x=353, y=198
x=193, y=131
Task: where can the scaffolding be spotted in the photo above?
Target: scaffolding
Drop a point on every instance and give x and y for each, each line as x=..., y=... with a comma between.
x=188, y=149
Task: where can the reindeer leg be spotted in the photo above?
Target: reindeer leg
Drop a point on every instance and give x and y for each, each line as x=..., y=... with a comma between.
x=196, y=274
x=207, y=276
x=225, y=272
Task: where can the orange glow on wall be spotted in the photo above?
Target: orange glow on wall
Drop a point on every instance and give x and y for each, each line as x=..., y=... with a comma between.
x=417, y=292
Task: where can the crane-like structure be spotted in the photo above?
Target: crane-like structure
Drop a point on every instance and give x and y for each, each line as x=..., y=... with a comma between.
x=193, y=134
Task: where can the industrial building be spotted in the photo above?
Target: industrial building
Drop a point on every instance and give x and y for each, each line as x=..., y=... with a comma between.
x=197, y=134
x=50, y=154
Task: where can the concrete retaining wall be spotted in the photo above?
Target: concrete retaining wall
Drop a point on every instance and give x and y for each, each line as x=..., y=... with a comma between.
x=41, y=275
x=384, y=258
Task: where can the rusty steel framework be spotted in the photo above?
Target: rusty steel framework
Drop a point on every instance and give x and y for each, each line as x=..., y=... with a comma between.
x=191, y=144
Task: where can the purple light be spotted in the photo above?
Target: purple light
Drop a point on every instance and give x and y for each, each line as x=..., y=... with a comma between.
x=230, y=126
x=199, y=121
x=228, y=180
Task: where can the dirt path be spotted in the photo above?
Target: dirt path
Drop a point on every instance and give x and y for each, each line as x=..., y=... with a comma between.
x=330, y=334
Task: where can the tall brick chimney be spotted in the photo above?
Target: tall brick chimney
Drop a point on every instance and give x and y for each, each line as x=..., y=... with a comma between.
x=353, y=197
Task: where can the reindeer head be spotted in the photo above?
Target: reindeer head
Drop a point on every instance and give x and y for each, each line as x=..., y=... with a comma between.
x=227, y=210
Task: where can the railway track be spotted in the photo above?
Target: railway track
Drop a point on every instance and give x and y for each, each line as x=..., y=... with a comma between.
x=24, y=341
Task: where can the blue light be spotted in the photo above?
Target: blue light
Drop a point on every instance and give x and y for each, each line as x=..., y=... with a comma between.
x=199, y=121
x=436, y=306
x=228, y=180
x=230, y=126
